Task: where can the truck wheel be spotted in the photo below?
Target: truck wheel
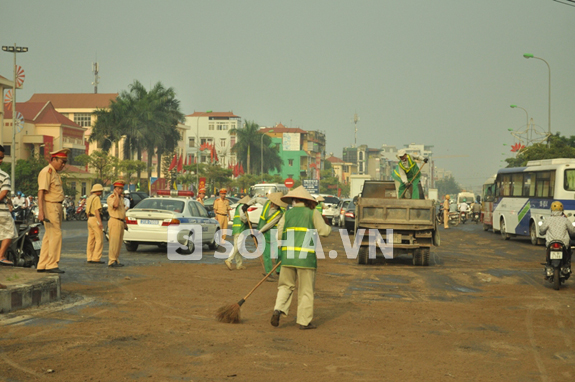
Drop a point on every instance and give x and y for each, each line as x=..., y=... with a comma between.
x=417, y=256
x=425, y=253
x=362, y=256
x=556, y=278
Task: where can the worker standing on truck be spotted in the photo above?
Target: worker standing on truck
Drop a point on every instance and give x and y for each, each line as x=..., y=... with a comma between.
x=406, y=175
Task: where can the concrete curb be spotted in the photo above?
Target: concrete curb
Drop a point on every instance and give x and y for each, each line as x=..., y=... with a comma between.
x=34, y=289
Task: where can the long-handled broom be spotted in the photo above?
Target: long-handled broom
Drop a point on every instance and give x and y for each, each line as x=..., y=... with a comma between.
x=256, y=244
x=231, y=313
x=404, y=191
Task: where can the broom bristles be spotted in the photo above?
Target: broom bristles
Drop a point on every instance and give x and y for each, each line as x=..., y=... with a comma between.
x=229, y=314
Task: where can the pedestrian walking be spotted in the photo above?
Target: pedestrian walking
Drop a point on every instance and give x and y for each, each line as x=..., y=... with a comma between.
x=7, y=227
x=299, y=263
x=240, y=224
x=116, y=224
x=50, y=198
x=95, y=226
x=222, y=211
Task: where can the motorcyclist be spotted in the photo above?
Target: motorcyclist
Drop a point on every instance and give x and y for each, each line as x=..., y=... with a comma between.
x=452, y=206
x=558, y=228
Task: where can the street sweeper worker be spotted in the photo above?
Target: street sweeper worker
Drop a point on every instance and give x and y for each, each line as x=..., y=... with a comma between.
x=240, y=224
x=406, y=175
x=299, y=261
x=272, y=212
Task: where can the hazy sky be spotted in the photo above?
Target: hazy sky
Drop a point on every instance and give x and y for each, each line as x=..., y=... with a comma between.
x=441, y=72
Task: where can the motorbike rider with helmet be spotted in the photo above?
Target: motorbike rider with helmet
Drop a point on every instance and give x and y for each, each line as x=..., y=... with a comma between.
x=558, y=228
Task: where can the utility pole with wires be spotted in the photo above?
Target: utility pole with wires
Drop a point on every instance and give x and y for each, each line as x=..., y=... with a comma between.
x=95, y=68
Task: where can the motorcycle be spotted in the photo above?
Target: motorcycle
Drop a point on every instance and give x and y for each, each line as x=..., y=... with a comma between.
x=440, y=216
x=81, y=213
x=453, y=219
x=463, y=216
x=70, y=213
x=24, y=251
x=35, y=210
x=558, y=264
x=475, y=217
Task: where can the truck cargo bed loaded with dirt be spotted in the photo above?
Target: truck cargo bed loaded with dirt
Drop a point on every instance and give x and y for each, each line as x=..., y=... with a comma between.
x=412, y=221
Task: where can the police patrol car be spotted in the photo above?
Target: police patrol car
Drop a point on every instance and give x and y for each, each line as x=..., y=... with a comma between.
x=149, y=222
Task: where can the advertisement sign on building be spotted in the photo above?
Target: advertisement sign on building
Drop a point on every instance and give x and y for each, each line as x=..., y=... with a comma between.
x=311, y=185
x=290, y=141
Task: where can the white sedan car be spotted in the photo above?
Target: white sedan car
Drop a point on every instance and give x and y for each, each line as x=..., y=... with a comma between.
x=149, y=221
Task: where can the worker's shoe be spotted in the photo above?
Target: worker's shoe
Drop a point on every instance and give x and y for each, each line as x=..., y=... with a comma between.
x=308, y=326
x=240, y=267
x=275, y=321
x=271, y=278
x=228, y=264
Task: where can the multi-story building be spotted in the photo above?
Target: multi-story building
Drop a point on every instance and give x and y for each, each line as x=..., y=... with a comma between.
x=301, y=151
x=366, y=159
x=211, y=128
x=342, y=170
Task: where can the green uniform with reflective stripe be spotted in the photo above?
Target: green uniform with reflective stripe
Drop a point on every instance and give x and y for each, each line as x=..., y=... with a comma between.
x=265, y=218
x=300, y=221
x=238, y=225
x=319, y=207
x=410, y=171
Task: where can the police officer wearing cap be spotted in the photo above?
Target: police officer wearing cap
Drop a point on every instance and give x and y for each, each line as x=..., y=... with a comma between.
x=95, y=226
x=222, y=211
x=201, y=196
x=116, y=224
x=50, y=198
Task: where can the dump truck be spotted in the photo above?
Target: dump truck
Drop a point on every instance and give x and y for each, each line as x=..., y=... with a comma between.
x=412, y=221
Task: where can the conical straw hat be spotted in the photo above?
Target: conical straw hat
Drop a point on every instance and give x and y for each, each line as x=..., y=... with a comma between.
x=299, y=193
x=320, y=199
x=244, y=200
x=276, y=198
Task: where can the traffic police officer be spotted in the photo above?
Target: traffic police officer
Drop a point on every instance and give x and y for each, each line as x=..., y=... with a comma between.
x=50, y=198
x=222, y=211
x=95, y=226
x=116, y=224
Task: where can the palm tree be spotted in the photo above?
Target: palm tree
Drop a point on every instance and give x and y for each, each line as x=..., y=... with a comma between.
x=147, y=120
x=249, y=146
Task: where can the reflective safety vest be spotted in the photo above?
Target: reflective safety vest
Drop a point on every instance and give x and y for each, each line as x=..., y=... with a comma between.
x=410, y=171
x=410, y=163
x=238, y=226
x=267, y=216
x=298, y=220
x=319, y=207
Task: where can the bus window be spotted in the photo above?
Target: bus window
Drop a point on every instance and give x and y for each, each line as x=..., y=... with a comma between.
x=545, y=184
x=569, y=180
x=488, y=192
x=517, y=184
x=529, y=184
x=506, y=185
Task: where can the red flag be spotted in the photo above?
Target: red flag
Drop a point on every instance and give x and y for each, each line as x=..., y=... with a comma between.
x=236, y=170
x=174, y=162
x=241, y=169
x=181, y=164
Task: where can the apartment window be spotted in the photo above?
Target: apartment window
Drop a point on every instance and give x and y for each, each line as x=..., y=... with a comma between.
x=360, y=166
x=83, y=188
x=211, y=126
x=222, y=125
x=83, y=119
x=222, y=143
x=207, y=140
x=290, y=162
x=361, y=155
x=73, y=187
x=192, y=142
x=7, y=150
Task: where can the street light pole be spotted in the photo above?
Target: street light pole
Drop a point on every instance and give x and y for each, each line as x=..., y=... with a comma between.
x=15, y=49
x=529, y=55
x=527, y=125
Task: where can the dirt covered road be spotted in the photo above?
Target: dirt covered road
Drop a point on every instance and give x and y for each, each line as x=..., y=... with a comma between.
x=480, y=312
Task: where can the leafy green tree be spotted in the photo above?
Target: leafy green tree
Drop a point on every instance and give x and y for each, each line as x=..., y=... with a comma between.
x=26, y=173
x=130, y=167
x=560, y=147
x=447, y=186
x=249, y=145
x=103, y=164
